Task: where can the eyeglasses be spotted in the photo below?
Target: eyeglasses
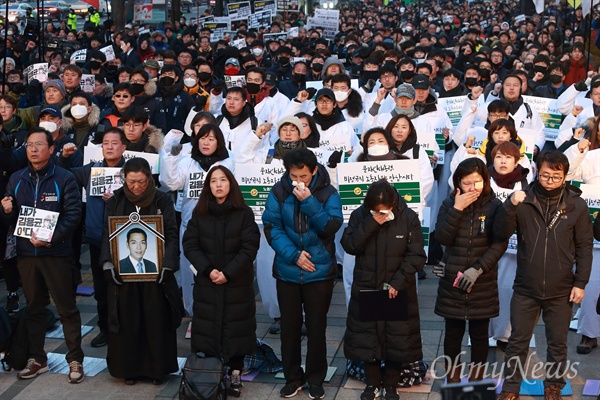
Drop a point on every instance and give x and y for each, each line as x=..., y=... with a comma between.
x=122, y=96
x=324, y=102
x=551, y=178
x=37, y=145
x=132, y=126
x=497, y=116
x=6, y=107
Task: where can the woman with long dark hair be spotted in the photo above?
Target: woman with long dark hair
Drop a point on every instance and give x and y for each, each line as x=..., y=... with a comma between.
x=222, y=240
x=468, y=288
x=142, y=316
x=187, y=174
x=385, y=236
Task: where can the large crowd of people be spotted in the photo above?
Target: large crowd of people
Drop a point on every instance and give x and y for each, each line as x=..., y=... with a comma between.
x=164, y=118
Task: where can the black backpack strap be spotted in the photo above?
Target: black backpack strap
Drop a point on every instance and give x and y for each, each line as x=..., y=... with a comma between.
x=416, y=149
x=220, y=119
x=253, y=122
x=529, y=112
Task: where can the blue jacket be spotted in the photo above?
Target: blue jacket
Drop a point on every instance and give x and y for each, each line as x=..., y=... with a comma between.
x=292, y=226
x=54, y=189
x=95, y=206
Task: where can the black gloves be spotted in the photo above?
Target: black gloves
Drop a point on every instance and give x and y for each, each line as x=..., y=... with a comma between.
x=369, y=86
x=334, y=159
x=7, y=140
x=176, y=149
x=311, y=92
x=166, y=275
x=218, y=85
x=581, y=86
x=201, y=103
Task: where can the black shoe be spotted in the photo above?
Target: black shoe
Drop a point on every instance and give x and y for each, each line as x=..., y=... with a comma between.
x=291, y=389
x=235, y=384
x=371, y=392
x=100, y=340
x=275, y=328
x=316, y=392
x=12, y=303
x=130, y=381
x=586, y=345
x=391, y=393
x=501, y=345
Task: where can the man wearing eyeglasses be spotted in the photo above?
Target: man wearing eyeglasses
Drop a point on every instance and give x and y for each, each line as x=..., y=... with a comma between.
x=45, y=266
x=554, y=232
x=122, y=100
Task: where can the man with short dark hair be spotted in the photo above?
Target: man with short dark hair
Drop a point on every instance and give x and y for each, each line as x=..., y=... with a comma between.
x=45, y=263
x=302, y=214
x=554, y=232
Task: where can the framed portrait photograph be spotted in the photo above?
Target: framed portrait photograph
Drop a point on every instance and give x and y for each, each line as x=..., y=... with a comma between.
x=137, y=246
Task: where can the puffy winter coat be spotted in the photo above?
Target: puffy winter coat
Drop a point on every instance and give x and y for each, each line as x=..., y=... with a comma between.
x=292, y=226
x=389, y=253
x=470, y=242
x=225, y=239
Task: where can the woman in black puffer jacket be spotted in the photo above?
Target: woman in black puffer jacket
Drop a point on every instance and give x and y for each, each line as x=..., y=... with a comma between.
x=465, y=227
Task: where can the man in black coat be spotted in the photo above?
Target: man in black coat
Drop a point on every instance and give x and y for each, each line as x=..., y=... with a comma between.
x=130, y=57
x=554, y=233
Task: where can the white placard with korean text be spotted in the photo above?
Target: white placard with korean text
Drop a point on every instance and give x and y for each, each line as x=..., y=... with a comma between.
x=256, y=181
x=105, y=180
x=35, y=220
x=93, y=153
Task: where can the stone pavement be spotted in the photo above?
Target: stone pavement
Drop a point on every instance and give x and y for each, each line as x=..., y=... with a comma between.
x=265, y=386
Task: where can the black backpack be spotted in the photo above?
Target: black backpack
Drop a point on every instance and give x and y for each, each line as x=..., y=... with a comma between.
x=203, y=378
x=17, y=349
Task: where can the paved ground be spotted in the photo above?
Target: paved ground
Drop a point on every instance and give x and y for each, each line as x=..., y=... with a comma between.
x=264, y=386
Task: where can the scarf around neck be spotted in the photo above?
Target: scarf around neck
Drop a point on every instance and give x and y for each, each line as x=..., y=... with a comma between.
x=142, y=200
x=327, y=121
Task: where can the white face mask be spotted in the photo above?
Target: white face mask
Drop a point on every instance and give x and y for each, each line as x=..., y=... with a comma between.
x=189, y=82
x=79, y=111
x=257, y=51
x=378, y=150
x=341, y=96
x=49, y=126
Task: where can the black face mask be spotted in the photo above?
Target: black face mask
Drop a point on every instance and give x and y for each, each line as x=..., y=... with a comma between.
x=485, y=73
x=167, y=81
x=300, y=78
x=284, y=60
x=366, y=75
x=317, y=67
x=539, y=68
x=204, y=76
x=471, y=81
x=407, y=74
x=410, y=53
x=556, y=79
x=253, y=88
x=528, y=66
x=95, y=64
x=447, y=31
x=137, y=88
x=438, y=63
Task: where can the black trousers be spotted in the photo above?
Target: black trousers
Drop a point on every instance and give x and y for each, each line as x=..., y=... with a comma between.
x=524, y=314
x=315, y=299
x=389, y=375
x=478, y=332
x=100, y=288
x=41, y=275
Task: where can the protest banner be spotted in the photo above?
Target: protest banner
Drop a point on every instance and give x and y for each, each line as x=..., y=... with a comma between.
x=35, y=220
x=234, y=80
x=329, y=20
x=109, y=52
x=256, y=181
x=453, y=107
x=239, y=43
x=265, y=5
x=355, y=178
x=239, y=11
x=287, y=5
x=79, y=56
x=88, y=83
x=548, y=111
x=142, y=10
x=429, y=143
x=217, y=29
x=93, y=153
x=528, y=137
x=104, y=180
x=591, y=195
x=259, y=19
x=194, y=185
x=37, y=71
x=270, y=37
x=503, y=194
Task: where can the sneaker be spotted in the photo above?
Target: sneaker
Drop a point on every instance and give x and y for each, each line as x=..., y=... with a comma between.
x=100, y=340
x=552, y=392
x=12, y=303
x=275, y=328
x=76, y=374
x=391, y=393
x=316, y=392
x=291, y=389
x=586, y=345
x=235, y=383
x=371, y=392
x=32, y=369
x=508, y=396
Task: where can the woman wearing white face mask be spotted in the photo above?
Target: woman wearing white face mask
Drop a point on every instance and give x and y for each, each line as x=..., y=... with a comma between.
x=81, y=117
x=349, y=101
